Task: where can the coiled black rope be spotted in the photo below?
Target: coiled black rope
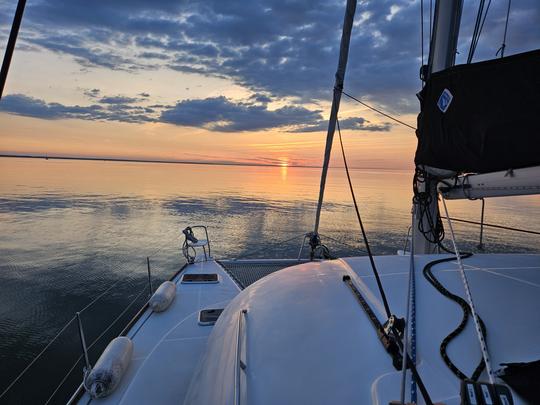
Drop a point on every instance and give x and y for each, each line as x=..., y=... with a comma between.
x=431, y=228
x=430, y=277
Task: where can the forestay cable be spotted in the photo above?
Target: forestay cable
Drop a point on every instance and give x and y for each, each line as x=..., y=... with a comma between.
x=338, y=88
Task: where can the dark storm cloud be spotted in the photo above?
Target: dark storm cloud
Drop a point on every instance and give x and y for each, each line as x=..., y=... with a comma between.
x=281, y=48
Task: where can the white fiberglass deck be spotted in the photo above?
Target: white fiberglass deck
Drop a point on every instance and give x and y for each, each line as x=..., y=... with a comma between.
x=168, y=345
x=307, y=340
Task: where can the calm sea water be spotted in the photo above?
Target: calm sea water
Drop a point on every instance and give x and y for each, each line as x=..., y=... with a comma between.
x=70, y=230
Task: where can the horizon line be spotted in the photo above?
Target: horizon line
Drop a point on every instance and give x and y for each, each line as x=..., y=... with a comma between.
x=181, y=162
x=133, y=160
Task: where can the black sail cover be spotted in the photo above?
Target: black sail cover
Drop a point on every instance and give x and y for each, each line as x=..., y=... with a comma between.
x=482, y=117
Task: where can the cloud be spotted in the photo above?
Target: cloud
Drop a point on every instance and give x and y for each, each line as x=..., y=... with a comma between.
x=224, y=115
x=92, y=93
x=19, y=104
x=280, y=48
x=357, y=124
x=261, y=98
x=118, y=100
x=218, y=114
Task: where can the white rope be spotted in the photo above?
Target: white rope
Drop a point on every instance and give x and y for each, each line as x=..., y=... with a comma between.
x=483, y=346
x=37, y=357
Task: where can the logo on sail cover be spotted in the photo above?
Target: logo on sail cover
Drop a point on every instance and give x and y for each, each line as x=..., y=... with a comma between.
x=444, y=100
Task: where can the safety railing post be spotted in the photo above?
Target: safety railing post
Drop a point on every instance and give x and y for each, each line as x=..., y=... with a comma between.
x=149, y=276
x=83, y=343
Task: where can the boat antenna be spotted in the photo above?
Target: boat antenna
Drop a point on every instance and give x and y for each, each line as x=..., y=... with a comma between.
x=11, y=44
x=338, y=88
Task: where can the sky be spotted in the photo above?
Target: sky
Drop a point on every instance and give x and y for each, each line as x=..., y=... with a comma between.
x=225, y=81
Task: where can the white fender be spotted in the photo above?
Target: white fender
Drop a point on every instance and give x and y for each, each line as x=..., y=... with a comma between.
x=163, y=297
x=109, y=369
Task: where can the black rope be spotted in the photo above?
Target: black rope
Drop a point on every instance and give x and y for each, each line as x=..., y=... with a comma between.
x=466, y=309
x=503, y=46
x=434, y=233
x=364, y=236
x=377, y=110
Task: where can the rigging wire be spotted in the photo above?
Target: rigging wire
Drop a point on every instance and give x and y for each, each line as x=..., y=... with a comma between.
x=364, y=236
x=480, y=332
x=66, y=325
x=347, y=245
x=507, y=228
x=36, y=357
x=93, y=344
x=479, y=25
x=377, y=110
x=475, y=31
x=503, y=46
x=430, y=19
x=264, y=248
x=133, y=274
x=409, y=319
x=422, y=31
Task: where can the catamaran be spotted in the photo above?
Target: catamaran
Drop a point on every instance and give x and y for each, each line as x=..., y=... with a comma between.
x=429, y=325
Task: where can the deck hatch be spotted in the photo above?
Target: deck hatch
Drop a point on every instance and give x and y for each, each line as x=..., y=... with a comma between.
x=200, y=278
x=209, y=316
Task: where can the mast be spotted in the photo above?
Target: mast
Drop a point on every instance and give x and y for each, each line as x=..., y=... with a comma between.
x=11, y=43
x=338, y=87
x=442, y=55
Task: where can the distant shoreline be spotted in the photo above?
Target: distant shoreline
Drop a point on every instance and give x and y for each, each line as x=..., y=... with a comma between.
x=180, y=162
